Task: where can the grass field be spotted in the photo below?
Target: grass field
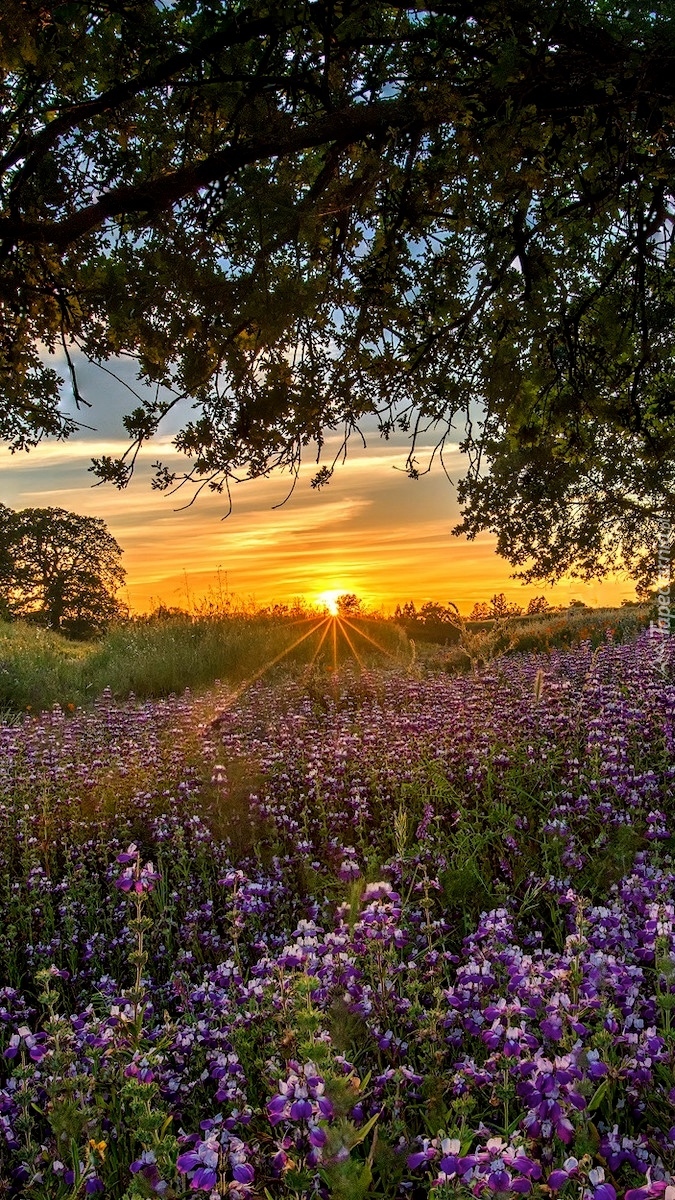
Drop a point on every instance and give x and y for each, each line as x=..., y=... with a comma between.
x=157, y=657
x=381, y=932
x=481, y=641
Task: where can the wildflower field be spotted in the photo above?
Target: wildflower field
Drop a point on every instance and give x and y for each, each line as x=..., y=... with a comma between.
x=345, y=934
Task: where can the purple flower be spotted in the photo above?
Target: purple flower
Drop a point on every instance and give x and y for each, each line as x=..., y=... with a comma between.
x=147, y=1159
x=201, y=1164
x=203, y=1179
x=140, y=1071
x=279, y=1162
x=301, y=1110
x=414, y=1161
x=138, y=879
x=243, y=1173
x=35, y=1043
x=499, y=1181
x=276, y=1108
x=13, y=1048
x=605, y=1191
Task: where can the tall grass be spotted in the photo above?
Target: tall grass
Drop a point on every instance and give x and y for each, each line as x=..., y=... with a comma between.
x=38, y=667
x=561, y=630
x=481, y=641
x=158, y=657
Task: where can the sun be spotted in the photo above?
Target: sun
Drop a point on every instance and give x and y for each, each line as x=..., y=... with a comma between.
x=329, y=600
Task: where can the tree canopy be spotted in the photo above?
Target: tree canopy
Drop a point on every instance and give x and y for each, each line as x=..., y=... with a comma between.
x=58, y=568
x=453, y=218
x=499, y=608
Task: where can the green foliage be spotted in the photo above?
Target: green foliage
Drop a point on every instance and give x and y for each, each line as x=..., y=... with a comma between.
x=202, y=187
x=80, y=1106
x=59, y=569
x=39, y=668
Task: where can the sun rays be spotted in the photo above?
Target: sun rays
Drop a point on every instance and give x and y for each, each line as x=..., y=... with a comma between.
x=338, y=638
x=251, y=679
x=343, y=631
x=373, y=642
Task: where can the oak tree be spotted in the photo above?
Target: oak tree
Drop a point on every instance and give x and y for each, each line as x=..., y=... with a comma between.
x=58, y=568
x=302, y=215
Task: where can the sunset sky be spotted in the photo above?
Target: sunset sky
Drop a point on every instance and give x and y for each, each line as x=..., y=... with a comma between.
x=371, y=531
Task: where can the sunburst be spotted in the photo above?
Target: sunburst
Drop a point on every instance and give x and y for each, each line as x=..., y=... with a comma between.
x=330, y=627
x=329, y=600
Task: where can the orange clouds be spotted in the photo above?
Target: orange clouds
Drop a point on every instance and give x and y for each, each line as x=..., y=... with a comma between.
x=371, y=531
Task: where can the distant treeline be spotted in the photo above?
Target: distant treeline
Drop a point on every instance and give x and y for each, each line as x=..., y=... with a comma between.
x=435, y=622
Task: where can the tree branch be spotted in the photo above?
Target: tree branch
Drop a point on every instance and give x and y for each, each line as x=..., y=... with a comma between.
x=340, y=128
x=35, y=145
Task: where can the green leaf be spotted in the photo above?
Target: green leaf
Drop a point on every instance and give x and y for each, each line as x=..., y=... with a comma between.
x=362, y=1133
x=598, y=1096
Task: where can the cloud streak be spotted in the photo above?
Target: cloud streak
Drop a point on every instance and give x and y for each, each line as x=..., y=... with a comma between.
x=371, y=530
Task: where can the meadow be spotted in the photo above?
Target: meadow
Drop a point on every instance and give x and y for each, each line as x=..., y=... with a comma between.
x=170, y=650
x=381, y=931
x=166, y=652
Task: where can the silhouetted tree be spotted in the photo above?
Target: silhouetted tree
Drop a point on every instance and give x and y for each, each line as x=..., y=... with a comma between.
x=59, y=568
x=500, y=607
x=349, y=605
x=497, y=609
x=538, y=604
x=407, y=612
x=434, y=613
x=433, y=622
